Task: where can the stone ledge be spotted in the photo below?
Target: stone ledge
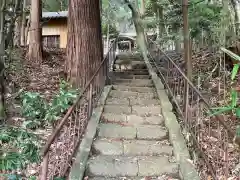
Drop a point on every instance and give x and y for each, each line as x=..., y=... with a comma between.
x=79, y=165
x=187, y=169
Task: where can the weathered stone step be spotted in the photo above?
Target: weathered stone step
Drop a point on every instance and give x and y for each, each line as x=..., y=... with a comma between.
x=132, y=64
x=131, y=147
x=129, y=56
x=132, y=95
x=143, y=132
x=133, y=89
x=126, y=101
x=115, y=166
x=163, y=177
x=117, y=101
x=134, y=82
x=129, y=66
x=116, y=109
x=132, y=119
x=134, y=72
x=150, y=110
x=131, y=76
x=129, y=61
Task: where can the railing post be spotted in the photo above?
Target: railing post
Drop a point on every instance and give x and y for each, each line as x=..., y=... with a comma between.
x=90, y=93
x=108, y=63
x=186, y=99
x=44, y=167
x=186, y=54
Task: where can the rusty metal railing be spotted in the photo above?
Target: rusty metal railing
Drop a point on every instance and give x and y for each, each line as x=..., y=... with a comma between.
x=210, y=139
x=59, y=151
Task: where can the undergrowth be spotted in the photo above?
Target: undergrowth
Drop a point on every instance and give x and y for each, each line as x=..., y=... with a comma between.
x=18, y=148
x=19, y=145
x=40, y=113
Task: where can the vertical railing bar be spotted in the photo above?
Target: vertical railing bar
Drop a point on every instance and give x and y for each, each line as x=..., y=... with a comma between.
x=45, y=167
x=90, y=100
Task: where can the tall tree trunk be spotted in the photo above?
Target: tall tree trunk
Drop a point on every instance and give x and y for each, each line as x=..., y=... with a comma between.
x=160, y=20
x=9, y=38
x=2, y=53
x=35, y=43
x=17, y=32
x=27, y=30
x=142, y=9
x=23, y=24
x=40, y=22
x=84, y=49
x=236, y=8
x=177, y=42
x=141, y=40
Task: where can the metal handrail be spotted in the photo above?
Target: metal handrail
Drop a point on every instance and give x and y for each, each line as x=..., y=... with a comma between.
x=87, y=91
x=190, y=116
x=203, y=100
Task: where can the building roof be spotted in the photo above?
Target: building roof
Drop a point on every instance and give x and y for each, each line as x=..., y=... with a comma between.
x=60, y=14
x=54, y=15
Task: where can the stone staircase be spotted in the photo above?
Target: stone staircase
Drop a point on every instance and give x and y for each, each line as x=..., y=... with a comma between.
x=132, y=142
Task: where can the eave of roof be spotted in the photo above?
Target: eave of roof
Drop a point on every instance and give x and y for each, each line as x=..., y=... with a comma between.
x=60, y=14
x=54, y=15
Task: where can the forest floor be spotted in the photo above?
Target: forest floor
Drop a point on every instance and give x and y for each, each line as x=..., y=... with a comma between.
x=23, y=75
x=213, y=79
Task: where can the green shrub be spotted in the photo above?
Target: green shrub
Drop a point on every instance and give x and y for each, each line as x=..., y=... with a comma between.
x=39, y=113
x=18, y=148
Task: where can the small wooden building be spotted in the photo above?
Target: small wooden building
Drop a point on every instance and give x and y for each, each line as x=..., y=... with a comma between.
x=54, y=29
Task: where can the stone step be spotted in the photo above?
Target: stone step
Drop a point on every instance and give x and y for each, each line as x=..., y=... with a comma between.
x=141, y=132
x=125, y=101
x=117, y=101
x=132, y=72
x=116, y=131
x=133, y=89
x=129, y=56
x=131, y=147
x=132, y=95
x=129, y=61
x=116, y=109
x=134, y=82
x=130, y=166
x=137, y=70
x=129, y=66
x=132, y=119
x=131, y=76
x=163, y=177
x=150, y=110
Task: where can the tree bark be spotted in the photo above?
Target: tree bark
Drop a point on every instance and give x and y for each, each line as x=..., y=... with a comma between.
x=2, y=53
x=141, y=40
x=177, y=41
x=23, y=24
x=236, y=9
x=160, y=25
x=17, y=32
x=142, y=9
x=35, y=43
x=27, y=29
x=84, y=49
x=10, y=34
